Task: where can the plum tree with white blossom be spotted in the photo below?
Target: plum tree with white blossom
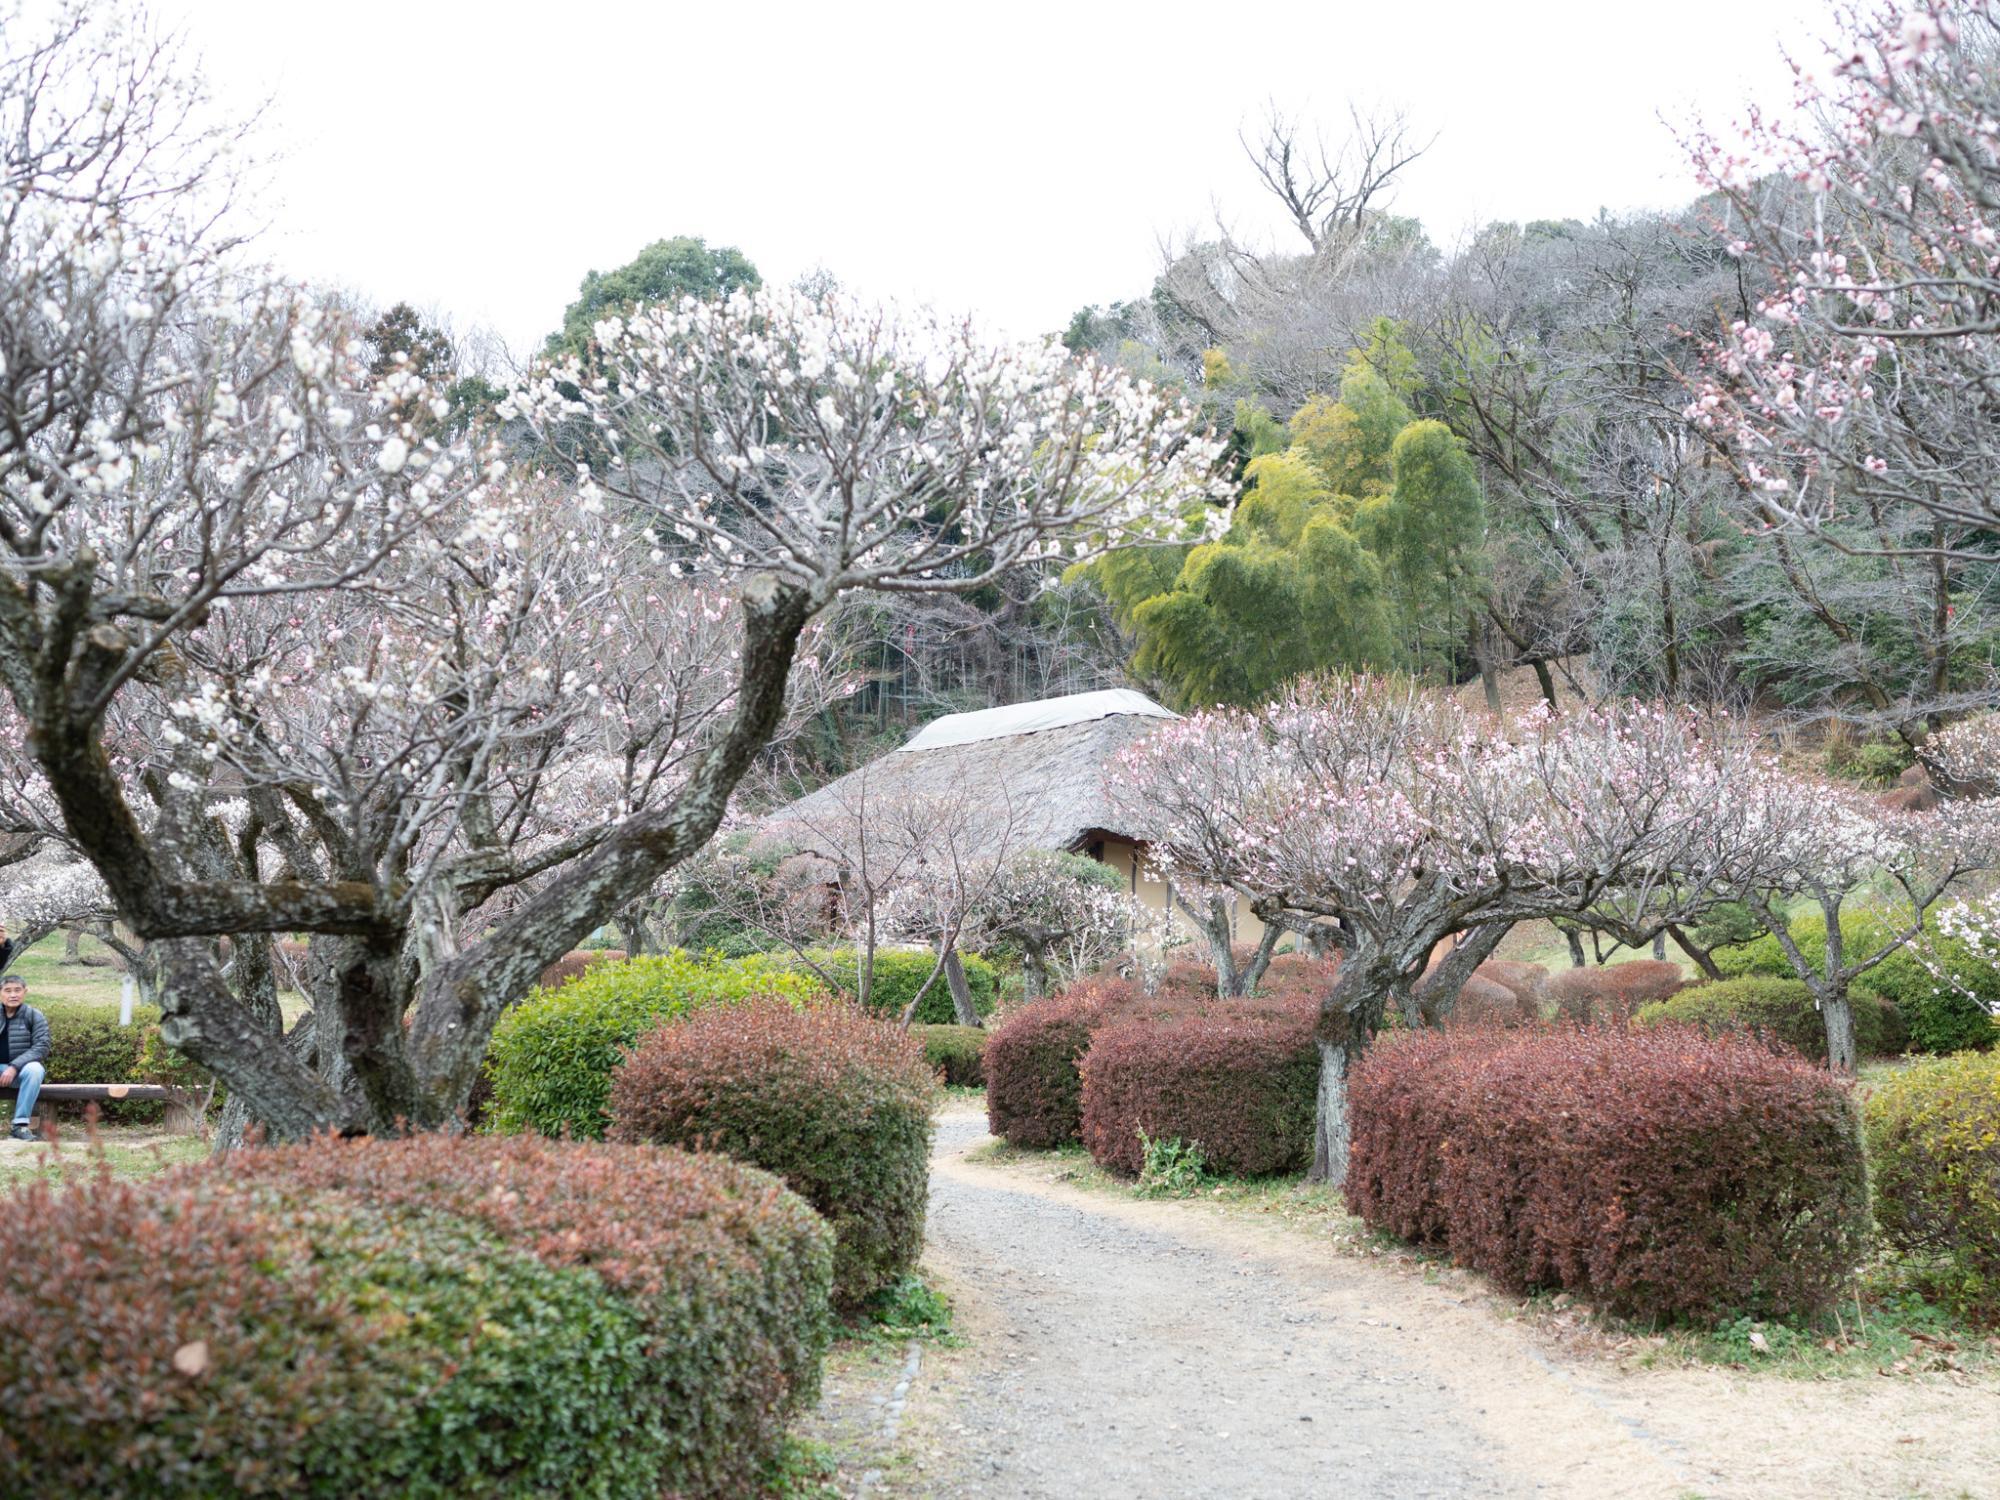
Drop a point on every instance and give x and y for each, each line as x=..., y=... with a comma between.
x=1065, y=912
x=471, y=712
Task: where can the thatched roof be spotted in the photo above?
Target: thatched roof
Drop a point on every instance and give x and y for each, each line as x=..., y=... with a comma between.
x=1028, y=776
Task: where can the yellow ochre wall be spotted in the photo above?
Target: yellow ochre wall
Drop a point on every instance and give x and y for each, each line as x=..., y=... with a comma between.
x=1129, y=860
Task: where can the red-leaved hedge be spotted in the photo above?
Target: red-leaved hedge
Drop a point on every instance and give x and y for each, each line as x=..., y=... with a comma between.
x=430, y=1317
x=1485, y=1001
x=1034, y=1094
x=575, y=962
x=1034, y=1086
x=1663, y=1173
x=1613, y=992
x=833, y=1099
x=1240, y=1084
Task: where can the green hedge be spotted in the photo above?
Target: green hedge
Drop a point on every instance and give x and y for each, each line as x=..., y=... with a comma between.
x=1781, y=1010
x=1934, y=1152
x=899, y=974
x=958, y=1053
x=1939, y=1017
x=434, y=1318
x=87, y=1045
x=551, y=1056
x=832, y=1099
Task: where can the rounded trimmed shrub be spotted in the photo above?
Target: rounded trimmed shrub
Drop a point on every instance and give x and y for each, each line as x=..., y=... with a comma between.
x=1486, y=1001
x=1242, y=1087
x=429, y=1317
x=1934, y=1148
x=87, y=1045
x=835, y=1101
x=1779, y=1010
x=900, y=973
x=1034, y=1083
x=1034, y=1093
x=1034, y=1086
x=956, y=1053
x=573, y=964
x=1529, y=982
x=1664, y=1173
x=1946, y=1011
x=1613, y=992
x=551, y=1056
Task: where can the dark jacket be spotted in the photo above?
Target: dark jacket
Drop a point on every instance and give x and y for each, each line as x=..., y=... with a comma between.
x=25, y=1038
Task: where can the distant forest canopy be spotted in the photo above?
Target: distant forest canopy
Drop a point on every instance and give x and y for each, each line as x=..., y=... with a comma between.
x=1455, y=462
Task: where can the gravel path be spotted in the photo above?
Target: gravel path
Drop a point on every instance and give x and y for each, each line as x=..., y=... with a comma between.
x=1140, y=1361
x=1118, y=1348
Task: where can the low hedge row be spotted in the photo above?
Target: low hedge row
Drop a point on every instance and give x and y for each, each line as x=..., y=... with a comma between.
x=1943, y=1014
x=955, y=1053
x=429, y=1317
x=1034, y=1091
x=835, y=1101
x=1934, y=1149
x=1666, y=1174
x=1612, y=993
x=87, y=1045
x=1034, y=1059
x=551, y=1056
x=898, y=974
x=1779, y=1010
x=1241, y=1086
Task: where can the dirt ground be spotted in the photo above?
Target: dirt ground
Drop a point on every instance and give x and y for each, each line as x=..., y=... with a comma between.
x=1116, y=1347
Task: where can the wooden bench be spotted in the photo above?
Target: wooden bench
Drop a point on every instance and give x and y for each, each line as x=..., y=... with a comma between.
x=183, y=1108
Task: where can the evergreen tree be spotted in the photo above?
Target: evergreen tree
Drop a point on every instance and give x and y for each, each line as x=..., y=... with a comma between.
x=665, y=271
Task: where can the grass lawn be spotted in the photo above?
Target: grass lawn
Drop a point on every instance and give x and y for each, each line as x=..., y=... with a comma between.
x=50, y=979
x=80, y=1153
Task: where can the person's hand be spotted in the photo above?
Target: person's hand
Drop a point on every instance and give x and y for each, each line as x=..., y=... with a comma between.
x=6, y=1077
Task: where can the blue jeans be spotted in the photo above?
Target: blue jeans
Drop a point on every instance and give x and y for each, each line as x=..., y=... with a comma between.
x=29, y=1081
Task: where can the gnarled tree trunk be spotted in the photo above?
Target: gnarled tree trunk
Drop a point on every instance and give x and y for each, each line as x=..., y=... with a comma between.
x=1350, y=1014
x=1437, y=992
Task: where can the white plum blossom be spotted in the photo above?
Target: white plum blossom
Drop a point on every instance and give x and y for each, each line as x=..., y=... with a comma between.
x=470, y=709
x=938, y=460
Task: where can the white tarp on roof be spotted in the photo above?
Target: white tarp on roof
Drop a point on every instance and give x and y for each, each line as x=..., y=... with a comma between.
x=1026, y=718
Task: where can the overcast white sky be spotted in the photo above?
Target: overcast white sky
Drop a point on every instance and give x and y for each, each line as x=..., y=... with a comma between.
x=1015, y=160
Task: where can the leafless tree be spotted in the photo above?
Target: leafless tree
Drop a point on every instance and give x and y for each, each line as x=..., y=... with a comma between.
x=1288, y=320
x=1330, y=192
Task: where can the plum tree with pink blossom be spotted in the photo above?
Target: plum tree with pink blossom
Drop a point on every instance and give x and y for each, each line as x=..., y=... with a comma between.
x=1861, y=392
x=1818, y=847
x=1406, y=821
x=471, y=711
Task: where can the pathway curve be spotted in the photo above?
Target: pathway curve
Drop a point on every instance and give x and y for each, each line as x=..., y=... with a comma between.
x=1119, y=1348
x=1146, y=1351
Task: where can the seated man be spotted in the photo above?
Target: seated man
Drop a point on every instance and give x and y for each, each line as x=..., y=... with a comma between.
x=24, y=1049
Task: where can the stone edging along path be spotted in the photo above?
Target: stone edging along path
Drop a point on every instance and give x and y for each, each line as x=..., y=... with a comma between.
x=1124, y=1348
